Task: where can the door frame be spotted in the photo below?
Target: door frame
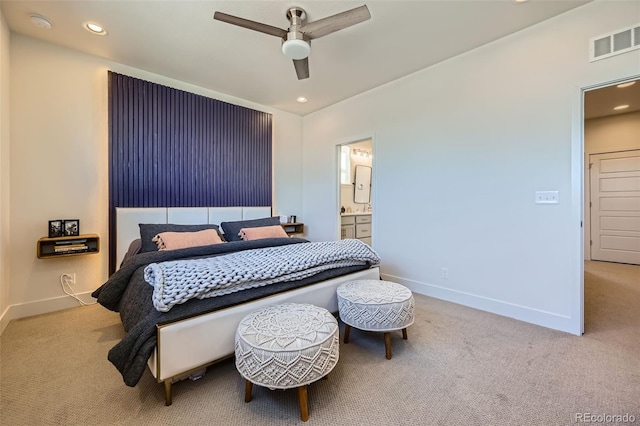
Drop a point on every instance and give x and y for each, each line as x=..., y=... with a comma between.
x=337, y=148
x=578, y=196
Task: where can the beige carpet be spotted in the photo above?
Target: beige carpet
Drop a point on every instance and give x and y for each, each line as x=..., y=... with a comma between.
x=460, y=366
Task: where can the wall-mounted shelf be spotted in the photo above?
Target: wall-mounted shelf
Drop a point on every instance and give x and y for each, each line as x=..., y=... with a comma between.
x=68, y=246
x=293, y=228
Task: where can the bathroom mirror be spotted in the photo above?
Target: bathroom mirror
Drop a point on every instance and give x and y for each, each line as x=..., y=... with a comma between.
x=362, y=185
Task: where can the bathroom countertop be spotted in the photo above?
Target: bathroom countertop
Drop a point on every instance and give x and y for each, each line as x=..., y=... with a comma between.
x=355, y=214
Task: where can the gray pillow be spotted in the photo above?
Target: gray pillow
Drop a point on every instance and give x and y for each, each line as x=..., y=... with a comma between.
x=134, y=248
x=150, y=230
x=231, y=229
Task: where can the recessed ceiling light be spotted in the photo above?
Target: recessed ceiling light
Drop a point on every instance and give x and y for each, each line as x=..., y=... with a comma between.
x=301, y=99
x=521, y=1
x=40, y=22
x=94, y=28
x=623, y=85
x=619, y=107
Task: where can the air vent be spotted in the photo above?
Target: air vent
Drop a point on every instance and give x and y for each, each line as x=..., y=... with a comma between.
x=615, y=43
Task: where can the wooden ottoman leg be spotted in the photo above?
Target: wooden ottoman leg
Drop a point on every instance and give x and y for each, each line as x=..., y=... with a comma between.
x=404, y=333
x=248, y=387
x=387, y=344
x=167, y=392
x=347, y=329
x=304, y=404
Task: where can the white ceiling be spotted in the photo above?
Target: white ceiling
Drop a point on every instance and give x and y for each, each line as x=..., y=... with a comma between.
x=600, y=102
x=179, y=39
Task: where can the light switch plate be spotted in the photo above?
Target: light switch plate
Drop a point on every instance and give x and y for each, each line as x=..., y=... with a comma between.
x=547, y=197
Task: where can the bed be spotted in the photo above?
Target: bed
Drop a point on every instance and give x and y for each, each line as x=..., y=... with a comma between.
x=193, y=335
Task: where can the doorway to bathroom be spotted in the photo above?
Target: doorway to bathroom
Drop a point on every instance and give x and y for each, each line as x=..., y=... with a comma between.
x=611, y=212
x=355, y=188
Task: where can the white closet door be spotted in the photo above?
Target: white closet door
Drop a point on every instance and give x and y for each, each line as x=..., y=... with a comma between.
x=615, y=207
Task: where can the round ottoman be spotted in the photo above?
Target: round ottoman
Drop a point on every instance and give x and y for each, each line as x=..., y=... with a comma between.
x=376, y=305
x=287, y=346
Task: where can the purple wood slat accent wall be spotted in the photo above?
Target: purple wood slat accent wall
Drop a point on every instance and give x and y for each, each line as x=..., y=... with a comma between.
x=170, y=148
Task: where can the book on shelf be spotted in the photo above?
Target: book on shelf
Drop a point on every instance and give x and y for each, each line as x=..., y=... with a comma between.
x=71, y=251
x=71, y=242
x=68, y=246
x=71, y=248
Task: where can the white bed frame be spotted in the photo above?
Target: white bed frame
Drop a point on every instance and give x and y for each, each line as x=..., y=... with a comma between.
x=190, y=345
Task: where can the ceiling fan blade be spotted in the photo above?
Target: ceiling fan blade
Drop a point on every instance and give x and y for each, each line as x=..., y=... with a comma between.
x=302, y=68
x=252, y=25
x=336, y=22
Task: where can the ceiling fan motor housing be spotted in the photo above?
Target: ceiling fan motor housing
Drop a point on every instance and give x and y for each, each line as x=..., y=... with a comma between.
x=296, y=15
x=294, y=46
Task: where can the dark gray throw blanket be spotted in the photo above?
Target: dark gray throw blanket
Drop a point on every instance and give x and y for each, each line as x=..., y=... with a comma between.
x=127, y=292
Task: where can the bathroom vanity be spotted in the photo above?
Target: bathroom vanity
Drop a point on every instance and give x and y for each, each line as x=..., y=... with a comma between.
x=356, y=225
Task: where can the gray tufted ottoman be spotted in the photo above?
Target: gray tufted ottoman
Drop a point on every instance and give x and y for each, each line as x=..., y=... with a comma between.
x=375, y=305
x=287, y=346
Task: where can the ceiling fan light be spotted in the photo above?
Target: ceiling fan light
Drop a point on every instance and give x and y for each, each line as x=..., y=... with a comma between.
x=296, y=49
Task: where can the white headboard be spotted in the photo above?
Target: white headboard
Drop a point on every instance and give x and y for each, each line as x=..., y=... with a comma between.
x=128, y=218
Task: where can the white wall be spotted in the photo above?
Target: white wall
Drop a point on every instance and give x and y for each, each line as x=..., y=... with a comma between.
x=620, y=132
x=4, y=170
x=59, y=139
x=470, y=140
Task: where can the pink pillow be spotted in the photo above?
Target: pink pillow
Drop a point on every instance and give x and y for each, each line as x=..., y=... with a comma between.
x=179, y=240
x=261, y=232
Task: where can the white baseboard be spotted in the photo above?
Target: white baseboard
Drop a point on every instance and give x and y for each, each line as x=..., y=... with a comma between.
x=38, y=307
x=523, y=313
x=4, y=320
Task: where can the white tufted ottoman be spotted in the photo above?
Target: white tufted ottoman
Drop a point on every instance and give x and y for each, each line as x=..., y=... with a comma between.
x=287, y=346
x=375, y=305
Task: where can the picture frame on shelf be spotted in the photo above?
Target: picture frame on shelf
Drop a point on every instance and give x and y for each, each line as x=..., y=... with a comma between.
x=71, y=227
x=55, y=228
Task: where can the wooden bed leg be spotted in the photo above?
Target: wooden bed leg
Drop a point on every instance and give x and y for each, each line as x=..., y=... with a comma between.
x=404, y=333
x=304, y=403
x=248, y=387
x=167, y=392
x=347, y=329
x=387, y=345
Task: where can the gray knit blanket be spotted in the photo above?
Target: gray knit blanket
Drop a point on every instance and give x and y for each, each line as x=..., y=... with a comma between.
x=178, y=281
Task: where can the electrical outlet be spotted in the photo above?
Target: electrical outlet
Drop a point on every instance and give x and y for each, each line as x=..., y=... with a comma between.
x=69, y=278
x=445, y=273
x=547, y=197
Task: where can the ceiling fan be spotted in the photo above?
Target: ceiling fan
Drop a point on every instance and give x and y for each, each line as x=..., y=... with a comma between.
x=296, y=40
